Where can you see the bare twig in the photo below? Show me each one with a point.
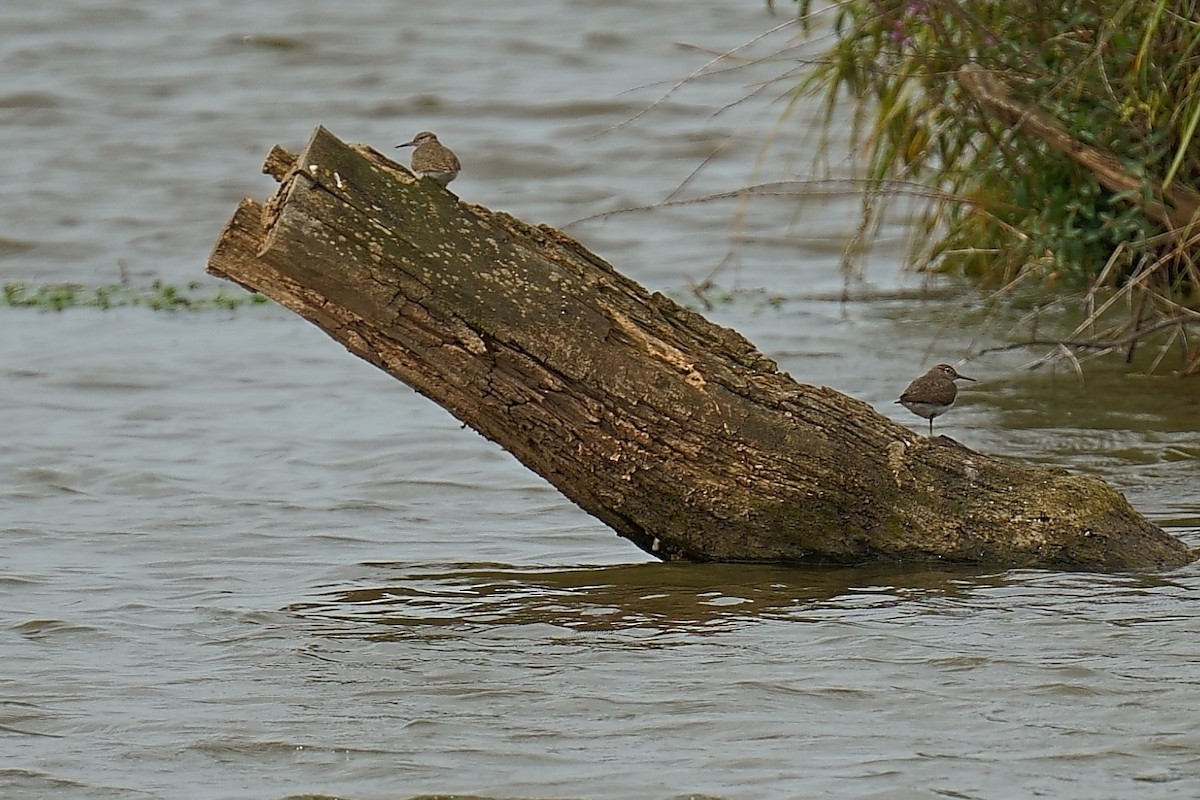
(828, 187)
(1177, 322)
(697, 73)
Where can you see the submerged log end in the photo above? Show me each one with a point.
(1105, 532)
(958, 505)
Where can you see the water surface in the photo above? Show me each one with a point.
(237, 562)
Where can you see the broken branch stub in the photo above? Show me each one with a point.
(675, 432)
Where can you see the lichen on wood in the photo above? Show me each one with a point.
(675, 432)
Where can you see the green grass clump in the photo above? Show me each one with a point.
(157, 296)
(1107, 201)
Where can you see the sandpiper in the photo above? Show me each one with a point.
(933, 393)
(432, 159)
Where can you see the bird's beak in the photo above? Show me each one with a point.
(965, 378)
(406, 144)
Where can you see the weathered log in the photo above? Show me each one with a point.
(675, 432)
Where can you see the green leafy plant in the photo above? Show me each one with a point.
(1056, 144)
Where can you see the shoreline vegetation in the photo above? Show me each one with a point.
(1044, 156)
(1052, 148)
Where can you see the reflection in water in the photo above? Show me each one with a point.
(662, 598)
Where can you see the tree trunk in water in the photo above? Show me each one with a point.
(675, 432)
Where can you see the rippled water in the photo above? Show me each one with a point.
(237, 562)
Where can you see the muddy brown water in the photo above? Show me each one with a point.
(238, 563)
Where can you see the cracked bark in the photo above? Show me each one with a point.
(675, 432)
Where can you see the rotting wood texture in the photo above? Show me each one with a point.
(675, 432)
